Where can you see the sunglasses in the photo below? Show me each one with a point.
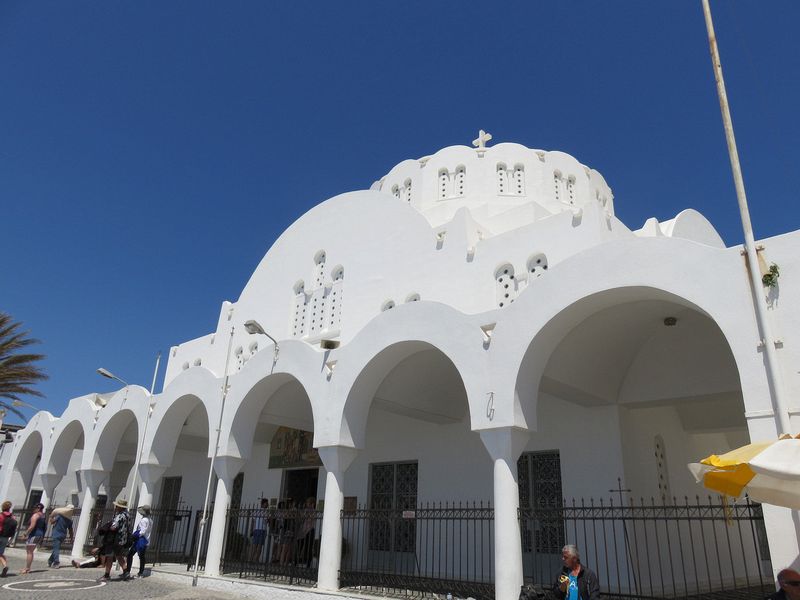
(793, 583)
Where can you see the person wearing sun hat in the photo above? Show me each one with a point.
(141, 539)
(61, 520)
(119, 526)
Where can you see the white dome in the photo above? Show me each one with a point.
(503, 186)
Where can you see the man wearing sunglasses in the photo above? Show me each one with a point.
(789, 580)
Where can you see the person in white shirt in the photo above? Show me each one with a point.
(141, 539)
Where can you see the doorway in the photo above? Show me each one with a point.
(299, 484)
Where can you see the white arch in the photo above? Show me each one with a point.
(382, 344)
(128, 405)
(252, 388)
(191, 388)
(705, 279)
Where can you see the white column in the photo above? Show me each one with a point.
(505, 446)
(91, 478)
(336, 460)
(226, 468)
(149, 476)
(49, 483)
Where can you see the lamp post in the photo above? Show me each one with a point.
(150, 404)
(4, 407)
(252, 327)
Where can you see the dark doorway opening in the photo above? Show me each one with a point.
(299, 484)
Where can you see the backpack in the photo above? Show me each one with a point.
(9, 527)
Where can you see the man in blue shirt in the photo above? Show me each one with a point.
(575, 582)
(61, 520)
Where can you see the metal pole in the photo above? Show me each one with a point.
(213, 459)
(759, 299)
(150, 403)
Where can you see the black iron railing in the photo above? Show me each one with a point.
(196, 528)
(170, 537)
(276, 544)
(698, 550)
(429, 549)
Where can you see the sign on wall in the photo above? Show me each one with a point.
(293, 448)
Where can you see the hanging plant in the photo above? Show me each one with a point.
(770, 278)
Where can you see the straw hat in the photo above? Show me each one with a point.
(66, 511)
(121, 504)
(144, 510)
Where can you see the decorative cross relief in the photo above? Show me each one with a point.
(480, 143)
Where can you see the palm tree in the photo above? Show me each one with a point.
(18, 371)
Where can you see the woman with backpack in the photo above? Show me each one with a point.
(35, 531)
(8, 527)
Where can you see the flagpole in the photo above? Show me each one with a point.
(759, 299)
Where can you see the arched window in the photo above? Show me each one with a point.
(461, 176)
(519, 180)
(571, 189)
(662, 472)
(557, 185)
(444, 184)
(502, 179)
(407, 190)
(505, 285)
(537, 265)
(388, 305)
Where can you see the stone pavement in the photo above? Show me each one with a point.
(170, 582)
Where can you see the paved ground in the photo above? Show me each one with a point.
(68, 583)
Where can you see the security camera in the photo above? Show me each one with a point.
(328, 344)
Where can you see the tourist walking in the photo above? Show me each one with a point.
(8, 529)
(119, 527)
(141, 539)
(574, 581)
(35, 532)
(61, 520)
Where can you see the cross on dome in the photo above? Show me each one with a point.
(483, 137)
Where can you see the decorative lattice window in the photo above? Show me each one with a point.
(444, 184)
(502, 179)
(519, 180)
(537, 265)
(407, 190)
(540, 491)
(461, 177)
(662, 472)
(393, 489)
(505, 285)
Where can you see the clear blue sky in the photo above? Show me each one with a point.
(152, 151)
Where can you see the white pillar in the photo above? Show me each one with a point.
(149, 476)
(91, 478)
(336, 460)
(505, 446)
(49, 483)
(226, 468)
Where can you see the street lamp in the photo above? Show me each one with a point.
(150, 404)
(108, 374)
(4, 407)
(252, 327)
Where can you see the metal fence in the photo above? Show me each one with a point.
(276, 544)
(698, 550)
(169, 538)
(431, 549)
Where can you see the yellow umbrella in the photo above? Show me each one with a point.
(766, 471)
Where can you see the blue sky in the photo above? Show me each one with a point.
(152, 151)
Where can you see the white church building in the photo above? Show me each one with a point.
(459, 365)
